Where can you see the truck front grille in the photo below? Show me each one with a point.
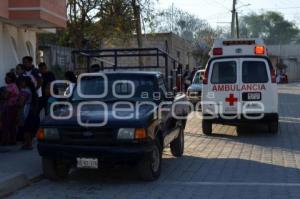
(87, 136)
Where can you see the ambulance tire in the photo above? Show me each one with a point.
(207, 127)
(273, 127)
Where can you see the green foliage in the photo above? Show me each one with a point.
(271, 26)
(91, 21)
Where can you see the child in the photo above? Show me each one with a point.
(10, 110)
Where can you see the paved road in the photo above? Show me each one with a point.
(253, 164)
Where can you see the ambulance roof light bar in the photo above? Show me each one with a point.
(238, 42)
(217, 51)
(259, 50)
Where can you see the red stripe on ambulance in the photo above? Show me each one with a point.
(236, 87)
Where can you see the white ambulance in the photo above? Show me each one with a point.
(239, 85)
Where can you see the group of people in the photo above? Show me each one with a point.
(21, 101)
(184, 78)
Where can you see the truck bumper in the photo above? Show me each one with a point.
(113, 154)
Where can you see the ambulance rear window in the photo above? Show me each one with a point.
(224, 72)
(255, 72)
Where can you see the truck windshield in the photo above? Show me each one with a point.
(119, 87)
(197, 78)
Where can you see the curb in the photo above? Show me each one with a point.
(13, 183)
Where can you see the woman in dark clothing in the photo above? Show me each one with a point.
(10, 111)
(30, 115)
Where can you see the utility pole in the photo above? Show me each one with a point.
(237, 25)
(233, 19)
(172, 18)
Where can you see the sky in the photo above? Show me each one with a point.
(218, 12)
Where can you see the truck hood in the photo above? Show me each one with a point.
(123, 116)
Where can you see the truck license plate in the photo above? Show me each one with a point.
(87, 163)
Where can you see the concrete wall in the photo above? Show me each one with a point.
(54, 55)
(290, 54)
(15, 43)
(177, 47)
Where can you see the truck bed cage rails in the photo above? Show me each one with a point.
(109, 59)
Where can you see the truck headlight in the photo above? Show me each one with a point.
(193, 93)
(131, 133)
(51, 134)
(126, 133)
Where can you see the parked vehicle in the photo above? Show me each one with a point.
(239, 85)
(126, 125)
(194, 91)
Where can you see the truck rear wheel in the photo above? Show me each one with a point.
(150, 167)
(207, 127)
(177, 145)
(54, 169)
(273, 127)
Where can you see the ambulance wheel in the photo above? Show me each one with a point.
(207, 127)
(273, 127)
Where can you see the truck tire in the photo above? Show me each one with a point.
(206, 127)
(177, 145)
(273, 127)
(149, 167)
(54, 170)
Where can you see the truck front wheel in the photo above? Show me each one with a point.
(150, 166)
(54, 169)
(177, 145)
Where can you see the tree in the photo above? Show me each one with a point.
(179, 22)
(204, 39)
(82, 15)
(91, 21)
(271, 26)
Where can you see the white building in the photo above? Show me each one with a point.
(20, 21)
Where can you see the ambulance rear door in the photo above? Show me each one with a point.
(222, 86)
(258, 91)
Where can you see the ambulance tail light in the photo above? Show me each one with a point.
(259, 50)
(218, 51)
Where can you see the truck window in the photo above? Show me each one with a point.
(254, 72)
(197, 78)
(224, 72)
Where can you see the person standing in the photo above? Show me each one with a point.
(29, 116)
(71, 77)
(186, 77)
(19, 70)
(9, 134)
(36, 80)
(33, 73)
(48, 77)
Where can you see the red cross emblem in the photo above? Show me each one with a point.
(231, 99)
